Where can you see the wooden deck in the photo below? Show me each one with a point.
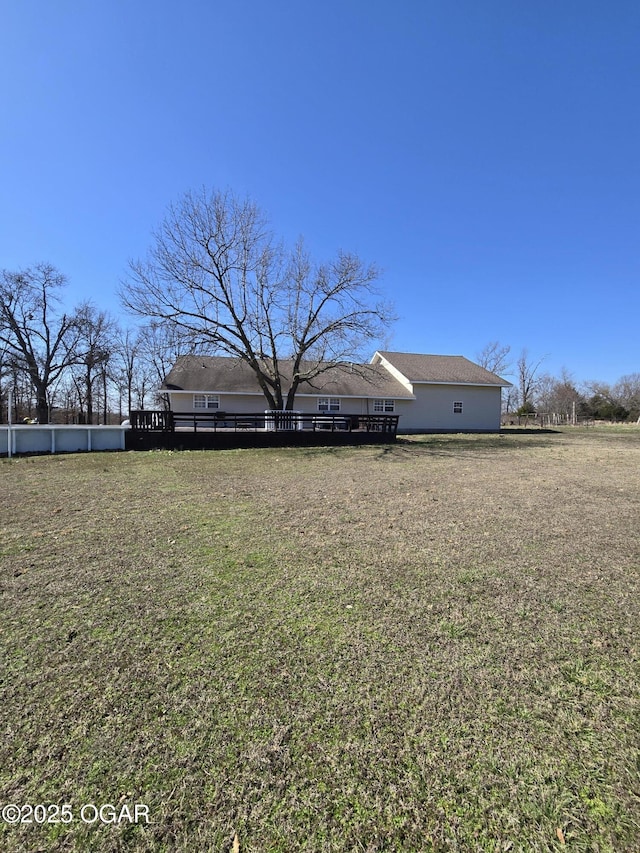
(152, 429)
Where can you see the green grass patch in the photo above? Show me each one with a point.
(426, 646)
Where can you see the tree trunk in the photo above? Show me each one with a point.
(274, 402)
(105, 407)
(42, 406)
(89, 397)
(291, 396)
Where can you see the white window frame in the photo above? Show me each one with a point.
(384, 406)
(457, 407)
(328, 404)
(206, 401)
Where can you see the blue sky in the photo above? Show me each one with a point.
(484, 153)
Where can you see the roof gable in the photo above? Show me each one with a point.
(440, 369)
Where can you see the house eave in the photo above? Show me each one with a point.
(298, 394)
(457, 382)
(379, 396)
(212, 391)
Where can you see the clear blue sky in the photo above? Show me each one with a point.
(484, 153)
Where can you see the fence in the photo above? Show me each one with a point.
(213, 429)
(59, 438)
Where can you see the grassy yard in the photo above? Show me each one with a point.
(430, 646)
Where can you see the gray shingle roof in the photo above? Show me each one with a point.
(455, 369)
(222, 374)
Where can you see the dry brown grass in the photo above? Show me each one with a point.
(426, 646)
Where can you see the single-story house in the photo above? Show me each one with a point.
(430, 393)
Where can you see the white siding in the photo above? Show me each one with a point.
(256, 403)
(433, 408)
(233, 403)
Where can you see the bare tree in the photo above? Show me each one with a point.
(560, 398)
(617, 402)
(528, 381)
(95, 348)
(216, 275)
(495, 357)
(160, 346)
(4, 383)
(127, 363)
(626, 392)
(40, 340)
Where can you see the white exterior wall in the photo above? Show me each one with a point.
(348, 405)
(182, 402)
(433, 408)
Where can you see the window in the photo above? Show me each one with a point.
(457, 407)
(384, 406)
(206, 401)
(328, 404)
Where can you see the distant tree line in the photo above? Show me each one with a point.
(82, 366)
(78, 366)
(216, 280)
(559, 399)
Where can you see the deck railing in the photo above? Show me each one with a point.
(281, 421)
(148, 420)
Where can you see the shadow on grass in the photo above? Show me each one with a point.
(528, 431)
(444, 444)
(455, 445)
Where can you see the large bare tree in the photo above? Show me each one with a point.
(40, 340)
(216, 275)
